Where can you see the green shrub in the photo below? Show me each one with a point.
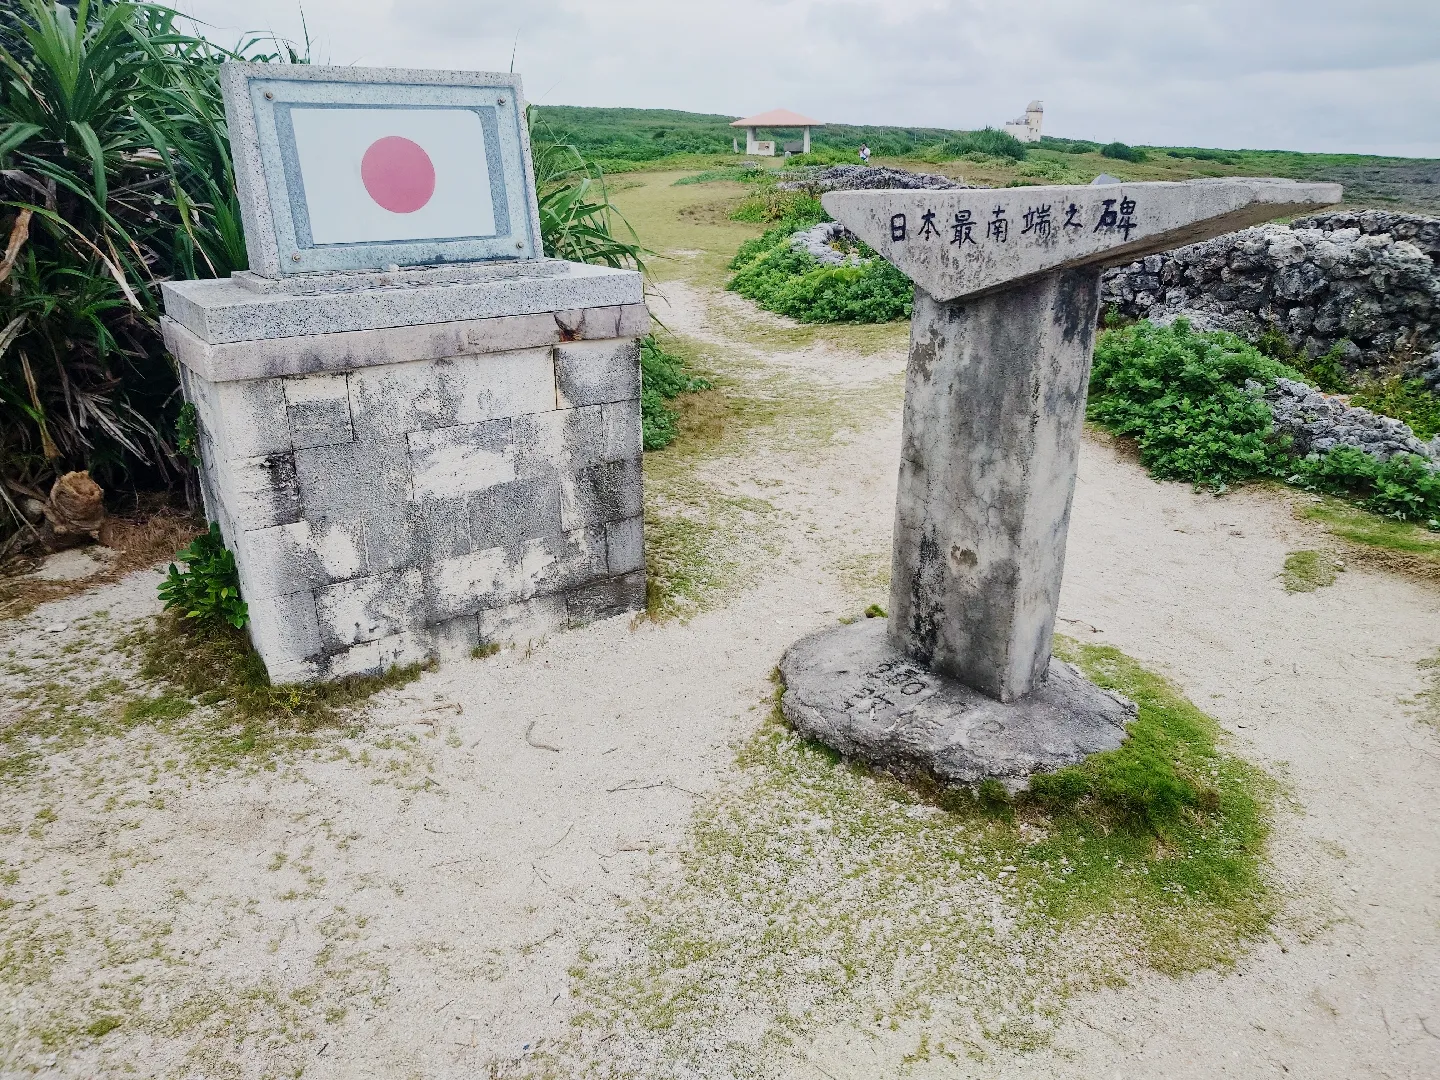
(823, 157)
(1068, 146)
(1223, 157)
(209, 589)
(1120, 152)
(115, 175)
(789, 282)
(1406, 488)
(1325, 373)
(796, 209)
(663, 377)
(1181, 396)
(991, 141)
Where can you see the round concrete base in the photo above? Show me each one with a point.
(850, 689)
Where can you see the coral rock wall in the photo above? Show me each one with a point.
(1365, 281)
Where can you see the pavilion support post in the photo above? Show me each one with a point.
(806, 149)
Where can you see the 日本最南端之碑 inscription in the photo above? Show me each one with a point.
(1006, 302)
(954, 243)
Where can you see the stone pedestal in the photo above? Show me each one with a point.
(852, 689)
(422, 461)
(963, 685)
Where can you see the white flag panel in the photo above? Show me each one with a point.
(332, 143)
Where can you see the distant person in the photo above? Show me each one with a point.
(864, 154)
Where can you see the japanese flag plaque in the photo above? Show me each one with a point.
(959, 683)
(345, 169)
(418, 434)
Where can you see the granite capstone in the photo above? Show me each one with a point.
(221, 311)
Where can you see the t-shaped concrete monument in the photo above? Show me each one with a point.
(959, 681)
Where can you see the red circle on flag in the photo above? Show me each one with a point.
(398, 174)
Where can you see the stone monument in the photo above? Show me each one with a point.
(418, 434)
(959, 682)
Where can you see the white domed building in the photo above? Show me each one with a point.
(1027, 127)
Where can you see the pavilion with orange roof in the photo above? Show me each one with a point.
(775, 118)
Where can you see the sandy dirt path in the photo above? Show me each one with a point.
(408, 901)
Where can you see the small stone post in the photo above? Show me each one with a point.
(959, 681)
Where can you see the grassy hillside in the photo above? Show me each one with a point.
(643, 135)
(625, 139)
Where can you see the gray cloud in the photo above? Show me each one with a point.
(1297, 74)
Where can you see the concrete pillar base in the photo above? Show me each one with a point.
(852, 690)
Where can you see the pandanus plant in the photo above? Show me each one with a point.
(115, 174)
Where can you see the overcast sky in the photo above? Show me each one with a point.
(1272, 74)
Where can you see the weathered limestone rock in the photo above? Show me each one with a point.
(822, 178)
(1007, 299)
(1365, 282)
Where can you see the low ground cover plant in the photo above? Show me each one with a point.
(663, 377)
(1188, 401)
(791, 282)
(208, 590)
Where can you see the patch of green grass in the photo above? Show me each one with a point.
(814, 893)
(1407, 400)
(255, 719)
(167, 706)
(1382, 541)
(703, 541)
(1306, 571)
(1429, 699)
(483, 652)
(102, 1026)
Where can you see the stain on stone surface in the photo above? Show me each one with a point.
(963, 557)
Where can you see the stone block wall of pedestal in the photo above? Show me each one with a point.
(396, 493)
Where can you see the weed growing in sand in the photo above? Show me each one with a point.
(209, 589)
(1306, 571)
(814, 892)
(247, 718)
(664, 376)
(1377, 541)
